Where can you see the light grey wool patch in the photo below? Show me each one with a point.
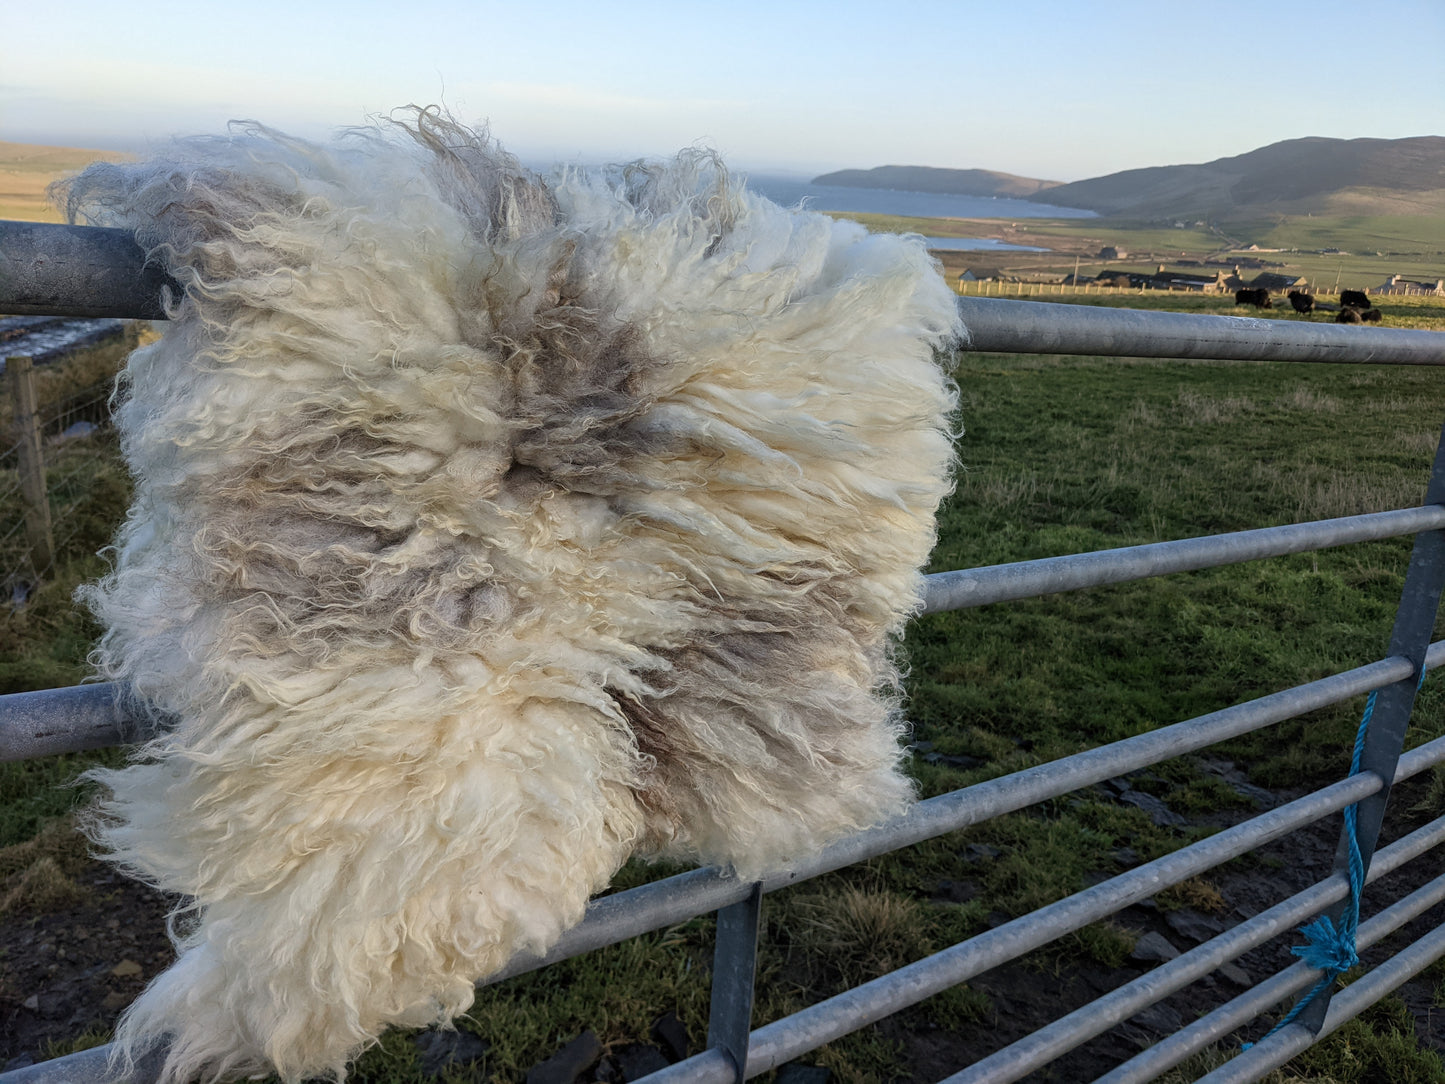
(490, 529)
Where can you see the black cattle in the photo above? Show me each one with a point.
(1355, 299)
(1259, 297)
(1302, 302)
(1371, 316)
(1348, 315)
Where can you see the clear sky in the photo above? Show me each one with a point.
(1058, 89)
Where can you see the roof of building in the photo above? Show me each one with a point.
(1271, 281)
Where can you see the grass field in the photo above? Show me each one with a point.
(1374, 247)
(26, 171)
(1413, 311)
(1058, 455)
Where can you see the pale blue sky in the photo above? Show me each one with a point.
(1044, 88)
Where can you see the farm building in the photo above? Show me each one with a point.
(1193, 281)
(1132, 279)
(1278, 284)
(1112, 278)
(984, 274)
(1397, 284)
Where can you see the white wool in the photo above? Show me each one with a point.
(489, 530)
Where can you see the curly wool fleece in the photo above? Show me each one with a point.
(489, 530)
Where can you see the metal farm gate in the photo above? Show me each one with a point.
(78, 271)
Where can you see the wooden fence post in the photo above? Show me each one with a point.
(26, 426)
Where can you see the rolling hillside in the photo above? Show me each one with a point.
(958, 182)
(1297, 176)
(26, 169)
(1311, 176)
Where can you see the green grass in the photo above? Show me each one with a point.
(1059, 455)
(1418, 312)
(1094, 232)
(1119, 453)
(45, 641)
(1377, 1047)
(1356, 233)
(1374, 247)
(1130, 236)
(932, 227)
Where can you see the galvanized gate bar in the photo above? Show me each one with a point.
(1423, 756)
(1049, 575)
(788, 1038)
(53, 270)
(634, 912)
(68, 720)
(1037, 327)
(1054, 1040)
(1260, 998)
(84, 717)
(972, 805)
(1274, 1051)
(677, 899)
(803, 1031)
(87, 1067)
(85, 271)
(1385, 736)
(682, 905)
(734, 962)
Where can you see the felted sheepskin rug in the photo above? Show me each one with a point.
(487, 531)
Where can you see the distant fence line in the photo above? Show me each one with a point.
(1403, 291)
(39, 491)
(997, 288)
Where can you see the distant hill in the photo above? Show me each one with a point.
(26, 169)
(1295, 177)
(959, 182)
(1298, 176)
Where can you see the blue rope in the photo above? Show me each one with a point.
(1332, 948)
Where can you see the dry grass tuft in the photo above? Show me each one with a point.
(861, 932)
(1309, 400)
(1197, 893)
(1432, 802)
(43, 887)
(37, 876)
(1420, 443)
(1212, 409)
(1003, 489)
(1352, 495)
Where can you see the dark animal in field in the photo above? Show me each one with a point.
(1371, 316)
(1355, 299)
(1302, 302)
(1259, 297)
(1348, 315)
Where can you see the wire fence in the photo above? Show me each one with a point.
(73, 433)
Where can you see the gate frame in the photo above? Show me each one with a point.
(83, 271)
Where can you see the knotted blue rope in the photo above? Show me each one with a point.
(1330, 948)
